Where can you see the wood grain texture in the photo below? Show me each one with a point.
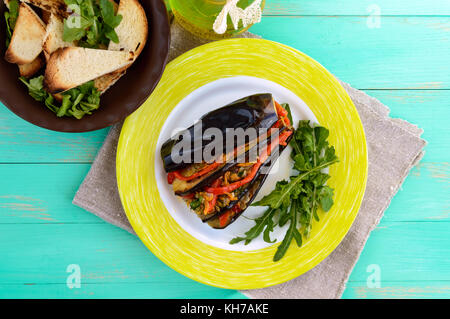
(412, 50)
(47, 194)
(22, 142)
(353, 7)
(404, 63)
(137, 290)
(399, 290)
(356, 7)
(404, 251)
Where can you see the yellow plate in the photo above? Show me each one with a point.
(137, 150)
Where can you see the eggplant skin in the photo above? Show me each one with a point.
(255, 111)
(257, 181)
(201, 182)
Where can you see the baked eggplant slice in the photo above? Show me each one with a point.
(185, 186)
(220, 190)
(244, 194)
(256, 111)
(228, 216)
(234, 188)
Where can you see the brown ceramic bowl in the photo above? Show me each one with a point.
(117, 103)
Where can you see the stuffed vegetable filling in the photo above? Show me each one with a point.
(218, 190)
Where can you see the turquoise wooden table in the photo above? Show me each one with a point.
(401, 57)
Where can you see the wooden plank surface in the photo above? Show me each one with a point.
(399, 290)
(404, 63)
(412, 49)
(403, 251)
(356, 7)
(137, 290)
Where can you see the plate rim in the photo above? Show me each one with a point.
(348, 225)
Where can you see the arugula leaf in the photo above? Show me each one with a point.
(64, 107)
(50, 103)
(284, 191)
(71, 33)
(298, 200)
(263, 222)
(93, 23)
(11, 19)
(107, 10)
(326, 198)
(283, 214)
(292, 233)
(76, 102)
(35, 88)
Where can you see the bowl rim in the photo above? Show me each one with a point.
(158, 43)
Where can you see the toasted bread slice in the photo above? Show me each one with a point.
(104, 82)
(116, 6)
(28, 34)
(133, 30)
(57, 7)
(30, 69)
(53, 39)
(46, 16)
(73, 66)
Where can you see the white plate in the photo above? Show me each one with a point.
(205, 99)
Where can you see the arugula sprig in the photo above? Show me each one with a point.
(10, 18)
(92, 24)
(298, 200)
(76, 102)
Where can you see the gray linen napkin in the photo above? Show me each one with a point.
(394, 147)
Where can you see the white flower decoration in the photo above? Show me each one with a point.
(250, 15)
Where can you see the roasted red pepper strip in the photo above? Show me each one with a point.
(225, 217)
(263, 157)
(204, 171)
(170, 177)
(282, 113)
(280, 110)
(189, 196)
(210, 206)
(284, 136)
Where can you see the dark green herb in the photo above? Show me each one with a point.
(92, 23)
(195, 204)
(298, 200)
(76, 102)
(265, 222)
(36, 87)
(10, 19)
(292, 233)
(111, 21)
